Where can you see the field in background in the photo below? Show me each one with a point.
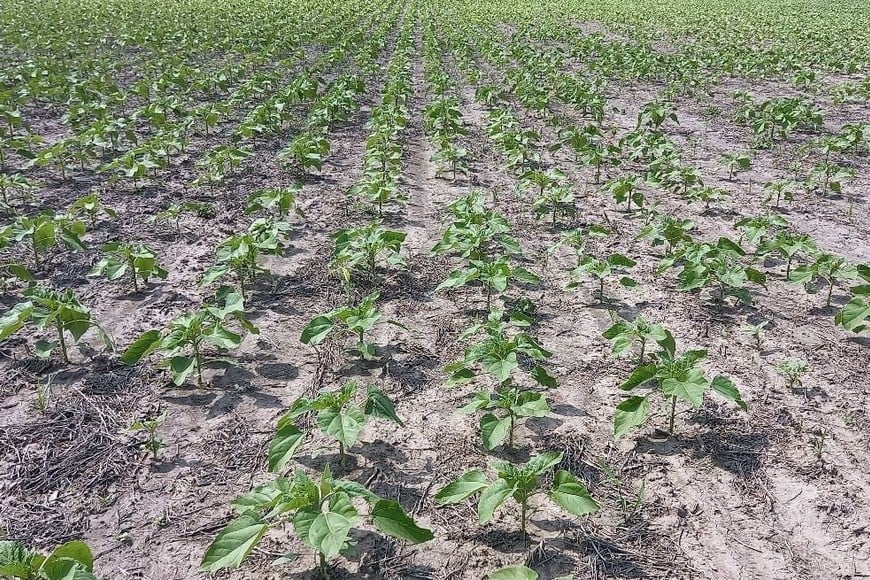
(628, 241)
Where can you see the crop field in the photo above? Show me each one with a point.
(434, 289)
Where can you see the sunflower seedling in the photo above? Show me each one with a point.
(153, 444)
(625, 334)
(337, 414)
(351, 319)
(47, 308)
(676, 378)
(137, 260)
(520, 482)
(67, 561)
(321, 512)
(183, 341)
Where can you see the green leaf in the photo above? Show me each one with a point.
(141, 347)
(854, 314)
(328, 533)
(725, 387)
(493, 430)
(233, 544)
(640, 376)
(389, 517)
(481, 400)
(14, 319)
(501, 365)
(571, 495)
(343, 426)
(463, 487)
(522, 275)
(70, 561)
(543, 378)
(691, 389)
(541, 463)
(43, 348)
(378, 404)
(514, 573)
(287, 439)
(630, 413)
(316, 330)
(492, 497)
(180, 368)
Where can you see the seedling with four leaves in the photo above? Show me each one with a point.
(47, 308)
(675, 378)
(137, 260)
(184, 340)
(337, 414)
(354, 320)
(320, 511)
(520, 482)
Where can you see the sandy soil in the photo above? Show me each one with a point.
(778, 492)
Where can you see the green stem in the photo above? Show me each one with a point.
(673, 412)
(132, 265)
(198, 362)
(62, 339)
(511, 434)
(523, 510)
(324, 570)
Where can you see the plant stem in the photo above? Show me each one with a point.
(62, 339)
(324, 570)
(523, 509)
(132, 264)
(341, 454)
(198, 362)
(511, 433)
(642, 348)
(673, 412)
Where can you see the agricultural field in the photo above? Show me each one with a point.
(434, 289)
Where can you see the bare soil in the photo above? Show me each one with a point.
(779, 492)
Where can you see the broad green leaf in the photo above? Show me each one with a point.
(522, 275)
(378, 404)
(501, 365)
(514, 573)
(141, 347)
(640, 376)
(630, 413)
(530, 404)
(43, 348)
(691, 389)
(389, 517)
(493, 430)
(725, 387)
(223, 337)
(233, 544)
(14, 319)
(316, 330)
(180, 368)
(541, 463)
(481, 400)
(344, 426)
(571, 495)
(463, 487)
(492, 497)
(287, 439)
(328, 533)
(854, 315)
